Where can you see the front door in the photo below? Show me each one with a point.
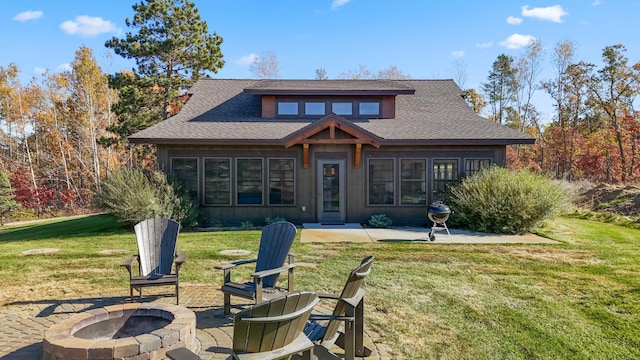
(330, 190)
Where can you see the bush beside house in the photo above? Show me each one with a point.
(500, 200)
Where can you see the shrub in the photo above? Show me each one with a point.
(380, 221)
(246, 225)
(498, 200)
(273, 220)
(133, 195)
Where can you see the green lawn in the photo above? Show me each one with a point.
(576, 300)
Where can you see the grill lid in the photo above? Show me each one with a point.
(439, 207)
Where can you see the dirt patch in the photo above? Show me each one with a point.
(618, 199)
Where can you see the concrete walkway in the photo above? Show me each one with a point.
(24, 323)
(352, 232)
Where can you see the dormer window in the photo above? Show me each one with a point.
(342, 108)
(368, 108)
(288, 108)
(314, 108)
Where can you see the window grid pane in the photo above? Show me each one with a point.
(342, 108)
(368, 108)
(249, 181)
(381, 188)
(186, 171)
(281, 182)
(287, 108)
(445, 174)
(314, 108)
(217, 181)
(473, 166)
(413, 182)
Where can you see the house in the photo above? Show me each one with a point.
(324, 150)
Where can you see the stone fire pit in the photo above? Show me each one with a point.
(128, 331)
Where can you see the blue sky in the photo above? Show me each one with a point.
(423, 38)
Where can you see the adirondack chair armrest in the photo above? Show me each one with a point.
(265, 273)
(128, 263)
(323, 317)
(279, 318)
(179, 260)
(329, 296)
(235, 263)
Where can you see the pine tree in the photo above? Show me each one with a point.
(172, 49)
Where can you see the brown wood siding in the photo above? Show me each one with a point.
(268, 106)
(388, 107)
(357, 209)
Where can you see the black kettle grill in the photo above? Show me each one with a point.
(439, 213)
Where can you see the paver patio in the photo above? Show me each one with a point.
(24, 323)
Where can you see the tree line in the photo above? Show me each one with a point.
(595, 131)
(63, 133)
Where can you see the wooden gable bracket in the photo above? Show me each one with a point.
(304, 137)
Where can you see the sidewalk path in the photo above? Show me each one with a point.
(357, 234)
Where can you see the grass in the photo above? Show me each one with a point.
(576, 300)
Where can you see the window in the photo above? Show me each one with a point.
(249, 181)
(342, 108)
(381, 188)
(281, 182)
(186, 171)
(413, 182)
(473, 166)
(368, 108)
(217, 181)
(287, 108)
(445, 173)
(314, 108)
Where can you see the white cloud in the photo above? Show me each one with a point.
(337, 3)
(63, 67)
(39, 71)
(550, 13)
(247, 59)
(517, 41)
(597, 2)
(484, 45)
(88, 26)
(512, 20)
(28, 15)
(458, 53)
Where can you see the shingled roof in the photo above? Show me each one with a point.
(428, 112)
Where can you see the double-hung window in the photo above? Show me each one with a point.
(445, 174)
(281, 181)
(381, 184)
(473, 166)
(186, 170)
(413, 182)
(217, 181)
(249, 183)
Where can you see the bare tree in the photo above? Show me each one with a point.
(321, 74)
(459, 72)
(363, 73)
(265, 66)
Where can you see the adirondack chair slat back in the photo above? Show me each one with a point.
(275, 243)
(272, 324)
(350, 289)
(157, 239)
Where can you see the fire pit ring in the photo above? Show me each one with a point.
(127, 331)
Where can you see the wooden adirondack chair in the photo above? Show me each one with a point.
(349, 309)
(157, 239)
(275, 243)
(274, 329)
(270, 330)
